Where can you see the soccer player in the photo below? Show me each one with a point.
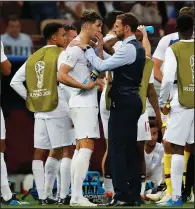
(158, 58)
(83, 105)
(52, 129)
(153, 153)
(8, 197)
(63, 180)
(179, 66)
(71, 33)
(146, 91)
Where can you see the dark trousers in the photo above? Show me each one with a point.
(122, 148)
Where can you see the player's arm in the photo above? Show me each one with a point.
(5, 64)
(124, 55)
(67, 62)
(17, 82)
(170, 68)
(153, 99)
(145, 42)
(6, 68)
(159, 57)
(108, 45)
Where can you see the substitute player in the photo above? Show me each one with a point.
(83, 105)
(8, 197)
(153, 153)
(52, 129)
(179, 66)
(158, 58)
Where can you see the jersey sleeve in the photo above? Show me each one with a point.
(70, 56)
(3, 56)
(163, 44)
(151, 77)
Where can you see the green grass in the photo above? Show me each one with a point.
(35, 205)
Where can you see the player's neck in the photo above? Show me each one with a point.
(185, 36)
(127, 35)
(84, 37)
(49, 42)
(148, 148)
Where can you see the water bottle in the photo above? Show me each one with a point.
(149, 29)
(93, 76)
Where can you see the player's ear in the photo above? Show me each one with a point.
(53, 37)
(86, 26)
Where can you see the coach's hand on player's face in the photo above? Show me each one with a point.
(100, 41)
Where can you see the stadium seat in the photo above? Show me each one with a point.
(170, 28)
(29, 26)
(45, 22)
(3, 26)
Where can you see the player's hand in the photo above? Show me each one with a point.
(100, 82)
(166, 109)
(90, 84)
(142, 29)
(100, 41)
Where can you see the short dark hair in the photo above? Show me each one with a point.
(90, 16)
(130, 20)
(50, 29)
(153, 124)
(69, 27)
(185, 23)
(187, 10)
(110, 18)
(12, 18)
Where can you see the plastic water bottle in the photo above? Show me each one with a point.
(93, 76)
(149, 29)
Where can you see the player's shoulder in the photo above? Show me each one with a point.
(170, 37)
(159, 147)
(2, 45)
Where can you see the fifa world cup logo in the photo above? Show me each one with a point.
(39, 69)
(192, 67)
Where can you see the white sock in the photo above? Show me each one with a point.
(177, 169)
(58, 180)
(65, 177)
(143, 188)
(81, 168)
(39, 175)
(72, 169)
(5, 190)
(51, 169)
(143, 184)
(108, 186)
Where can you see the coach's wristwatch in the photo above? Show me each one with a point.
(86, 48)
